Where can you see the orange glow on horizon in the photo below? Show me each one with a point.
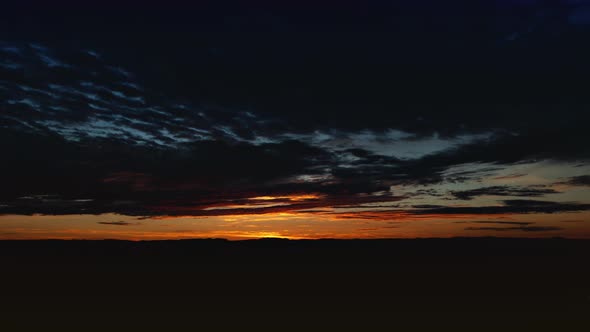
(295, 198)
(293, 225)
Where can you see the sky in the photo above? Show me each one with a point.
(380, 119)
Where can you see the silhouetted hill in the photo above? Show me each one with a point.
(512, 284)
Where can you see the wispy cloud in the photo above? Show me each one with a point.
(118, 223)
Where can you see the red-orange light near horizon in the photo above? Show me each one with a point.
(290, 197)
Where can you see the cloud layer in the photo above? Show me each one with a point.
(444, 111)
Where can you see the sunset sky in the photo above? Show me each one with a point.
(382, 120)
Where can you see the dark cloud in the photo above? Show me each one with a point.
(501, 222)
(100, 175)
(509, 177)
(547, 143)
(582, 180)
(502, 191)
(429, 192)
(428, 211)
(510, 206)
(427, 206)
(104, 175)
(118, 223)
(520, 228)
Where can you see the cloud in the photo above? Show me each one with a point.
(507, 149)
(118, 223)
(510, 207)
(519, 223)
(509, 177)
(203, 176)
(520, 228)
(142, 180)
(582, 180)
(503, 191)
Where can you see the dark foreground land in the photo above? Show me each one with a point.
(480, 284)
